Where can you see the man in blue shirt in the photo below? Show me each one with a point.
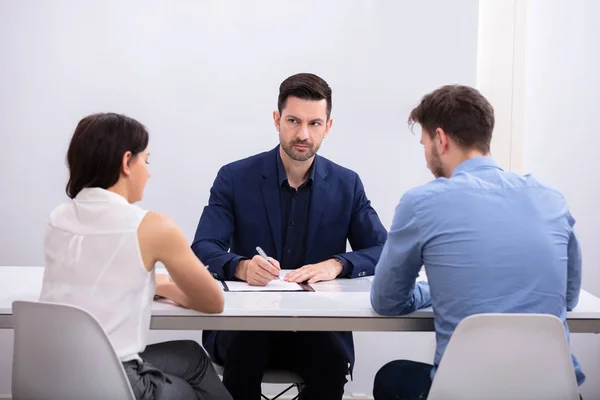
(491, 241)
(301, 209)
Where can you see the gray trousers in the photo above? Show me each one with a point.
(175, 370)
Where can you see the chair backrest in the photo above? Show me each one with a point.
(506, 356)
(62, 352)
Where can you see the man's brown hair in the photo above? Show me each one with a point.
(304, 86)
(461, 112)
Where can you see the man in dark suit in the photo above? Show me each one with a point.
(301, 209)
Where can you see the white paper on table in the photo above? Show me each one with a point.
(273, 286)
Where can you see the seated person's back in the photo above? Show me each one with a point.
(495, 242)
(100, 251)
(491, 241)
(93, 261)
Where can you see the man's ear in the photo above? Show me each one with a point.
(328, 126)
(125, 170)
(442, 140)
(276, 119)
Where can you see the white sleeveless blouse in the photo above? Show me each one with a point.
(93, 261)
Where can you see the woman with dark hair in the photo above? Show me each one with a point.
(100, 251)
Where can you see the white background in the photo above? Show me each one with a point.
(560, 134)
(539, 65)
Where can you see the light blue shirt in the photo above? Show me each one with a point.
(491, 242)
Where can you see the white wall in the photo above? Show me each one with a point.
(500, 72)
(562, 100)
(203, 76)
(561, 105)
(538, 63)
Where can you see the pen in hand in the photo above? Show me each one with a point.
(264, 255)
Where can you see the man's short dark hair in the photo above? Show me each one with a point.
(460, 111)
(304, 86)
(97, 148)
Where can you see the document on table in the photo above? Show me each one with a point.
(273, 286)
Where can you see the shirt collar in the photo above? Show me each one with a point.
(475, 163)
(96, 194)
(282, 176)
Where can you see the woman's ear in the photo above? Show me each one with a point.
(125, 170)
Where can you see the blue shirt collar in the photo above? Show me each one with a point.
(282, 176)
(475, 163)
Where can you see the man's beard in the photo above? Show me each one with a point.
(310, 151)
(435, 164)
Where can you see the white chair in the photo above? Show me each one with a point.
(276, 377)
(62, 352)
(506, 356)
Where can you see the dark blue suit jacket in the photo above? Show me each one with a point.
(244, 212)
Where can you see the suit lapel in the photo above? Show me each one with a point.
(318, 201)
(270, 192)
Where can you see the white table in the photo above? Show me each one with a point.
(340, 305)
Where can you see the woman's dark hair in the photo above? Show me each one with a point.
(97, 148)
